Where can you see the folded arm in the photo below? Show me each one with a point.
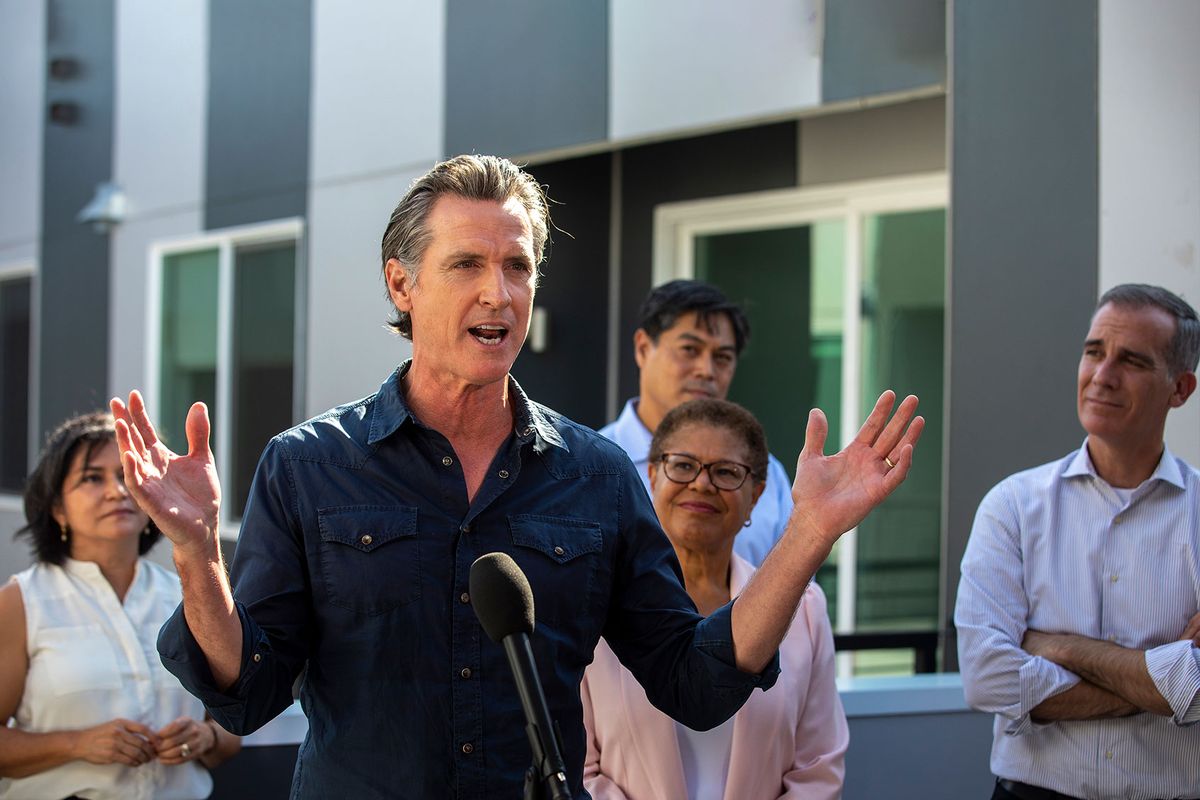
(991, 615)
(1120, 675)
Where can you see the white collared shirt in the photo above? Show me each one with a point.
(92, 659)
(770, 514)
(1057, 549)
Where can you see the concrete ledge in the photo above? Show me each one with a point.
(937, 693)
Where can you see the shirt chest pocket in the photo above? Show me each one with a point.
(559, 555)
(370, 557)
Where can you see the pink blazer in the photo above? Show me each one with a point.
(789, 742)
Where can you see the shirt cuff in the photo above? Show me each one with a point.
(183, 658)
(1175, 670)
(1039, 678)
(714, 640)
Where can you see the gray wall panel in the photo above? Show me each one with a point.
(1024, 233)
(258, 111)
(75, 260)
(879, 46)
(931, 756)
(525, 75)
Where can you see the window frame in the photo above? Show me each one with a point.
(226, 241)
(676, 226)
(11, 501)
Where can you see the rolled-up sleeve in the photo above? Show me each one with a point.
(1175, 670)
(991, 616)
(272, 598)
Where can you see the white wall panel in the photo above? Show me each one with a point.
(22, 86)
(1150, 160)
(679, 64)
(161, 74)
(377, 123)
(377, 86)
(350, 351)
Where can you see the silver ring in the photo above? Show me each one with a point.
(888, 461)
(185, 751)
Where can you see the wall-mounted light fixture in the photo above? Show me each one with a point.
(64, 113)
(106, 209)
(539, 330)
(63, 68)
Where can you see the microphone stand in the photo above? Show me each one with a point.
(546, 779)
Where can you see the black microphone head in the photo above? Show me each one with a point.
(501, 596)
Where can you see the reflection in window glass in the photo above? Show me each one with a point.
(188, 366)
(263, 341)
(251, 363)
(903, 309)
(790, 282)
(14, 382)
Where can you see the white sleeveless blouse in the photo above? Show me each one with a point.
(92, 659)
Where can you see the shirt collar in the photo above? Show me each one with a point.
(391, 411)
(1167, 469)
(630, 432)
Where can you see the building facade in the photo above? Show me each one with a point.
(920, 194)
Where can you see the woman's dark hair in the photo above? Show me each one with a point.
(719, 414)
(43, 490)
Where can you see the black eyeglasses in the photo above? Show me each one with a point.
(727, 475)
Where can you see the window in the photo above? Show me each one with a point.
(227, 334)
(845, 289)
(16, 302)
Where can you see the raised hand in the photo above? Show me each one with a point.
(836, 492)
(180, 493)
(118, 741)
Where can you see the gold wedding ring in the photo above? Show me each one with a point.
(888, 461)
(184, 750)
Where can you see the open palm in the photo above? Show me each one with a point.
(836, 492)
(180, 493)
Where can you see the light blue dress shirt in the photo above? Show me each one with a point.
(1056, 549)
(770, 513)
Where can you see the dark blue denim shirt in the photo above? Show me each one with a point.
(354, 556)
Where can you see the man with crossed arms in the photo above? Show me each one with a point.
(1077, 608)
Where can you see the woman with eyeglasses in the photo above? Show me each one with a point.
(708, 463)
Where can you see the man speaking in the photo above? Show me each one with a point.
(362, 524)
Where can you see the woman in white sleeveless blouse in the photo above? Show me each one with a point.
(90, 710)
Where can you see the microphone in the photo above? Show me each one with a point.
(503, 602)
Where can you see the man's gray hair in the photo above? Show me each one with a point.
(472, 177)
(1183, 351)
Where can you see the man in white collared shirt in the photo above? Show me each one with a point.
(1078, 606)
(686, 347)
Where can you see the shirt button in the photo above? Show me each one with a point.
(1114, 579)
(468, 748)
(447, 461)
(465, 529)
(1108, 754)
(464, 598)
(366, 539)
(1112, 637)
(466, 672)
(558, 551)
(257, 657)
(503, 473)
